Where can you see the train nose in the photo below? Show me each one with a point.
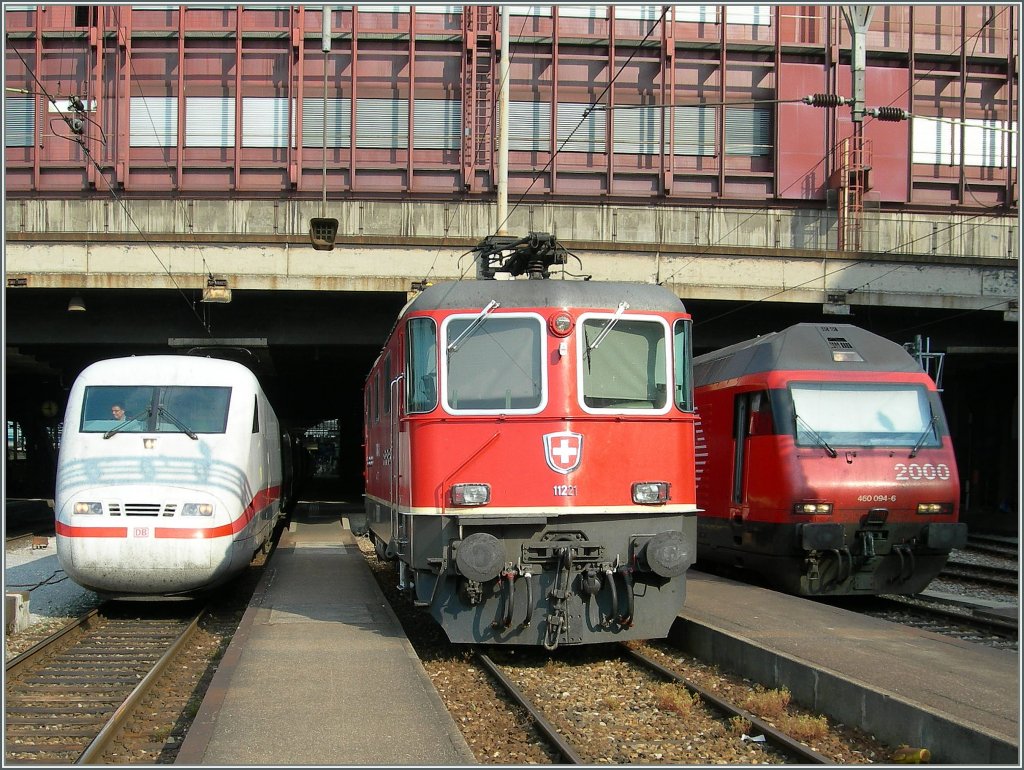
(666, 554)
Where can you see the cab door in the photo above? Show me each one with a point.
(753, 417)
(738, 507)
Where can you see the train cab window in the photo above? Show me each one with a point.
(865, 414)
(124, 407)
(623, 364)
(201, 409)
(494, 363)
(682, 358)
(420, 366)
(169, 409)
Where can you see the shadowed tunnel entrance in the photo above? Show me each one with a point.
(312, 350)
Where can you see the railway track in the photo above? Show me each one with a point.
(67, 696)
(988, 574)
(996, 545)
(954, 616)
(571, 742)
(586, 691)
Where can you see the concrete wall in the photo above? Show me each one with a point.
(966, 236)
(708, 253)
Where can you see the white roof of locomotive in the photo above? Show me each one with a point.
(165, 370)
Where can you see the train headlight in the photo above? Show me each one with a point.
(650, 492)
(94, 509)
(560, 324)
(819, 509)
(197, 509)
(470, 494)
(935, 508)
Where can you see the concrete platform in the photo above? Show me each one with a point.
(320, 671)
(905, 686)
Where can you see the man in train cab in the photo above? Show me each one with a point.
(118, 411)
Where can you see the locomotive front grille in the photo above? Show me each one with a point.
(142, 509)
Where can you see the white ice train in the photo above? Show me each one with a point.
(169, 476)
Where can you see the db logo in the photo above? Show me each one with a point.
(141, 532)
(563, 451)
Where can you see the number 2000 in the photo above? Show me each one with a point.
(927, 471)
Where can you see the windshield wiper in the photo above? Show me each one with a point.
(454, 344)
(924, 435)
(817, 436)
(623, 306)
(178, 423)
(117, 428)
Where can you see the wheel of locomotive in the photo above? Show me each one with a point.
(379, 548)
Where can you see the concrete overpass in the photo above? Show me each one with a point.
(963, 262)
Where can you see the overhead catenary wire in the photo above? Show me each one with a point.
(586, 114)
(451, 219)
(114, 195)
(798, 178)
(840, 270)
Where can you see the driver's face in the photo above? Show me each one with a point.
(118, 412)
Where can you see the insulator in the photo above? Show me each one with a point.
(76, 104)
(825, 100)
(891, 114)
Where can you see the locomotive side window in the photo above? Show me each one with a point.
(864, 414)
(761, 423)
(683, 360)
(421, 365)
(387, 384)
(375, 395)
(494, 363)
(624, 365)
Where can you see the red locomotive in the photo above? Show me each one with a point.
(824, 463)
(529, 453)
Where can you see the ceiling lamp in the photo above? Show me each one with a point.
(216, 290)
(76, 305)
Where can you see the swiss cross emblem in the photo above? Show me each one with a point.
(563, 450)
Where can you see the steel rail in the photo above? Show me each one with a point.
(771, 734)
(981, 573)
(42, 648)
(970, 617)
(1005, 550)
(551, 733)
(94, 751)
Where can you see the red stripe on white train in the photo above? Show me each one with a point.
(262, 499)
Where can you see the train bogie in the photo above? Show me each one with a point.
(825, 465)
(170, 475)
(529, 459)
